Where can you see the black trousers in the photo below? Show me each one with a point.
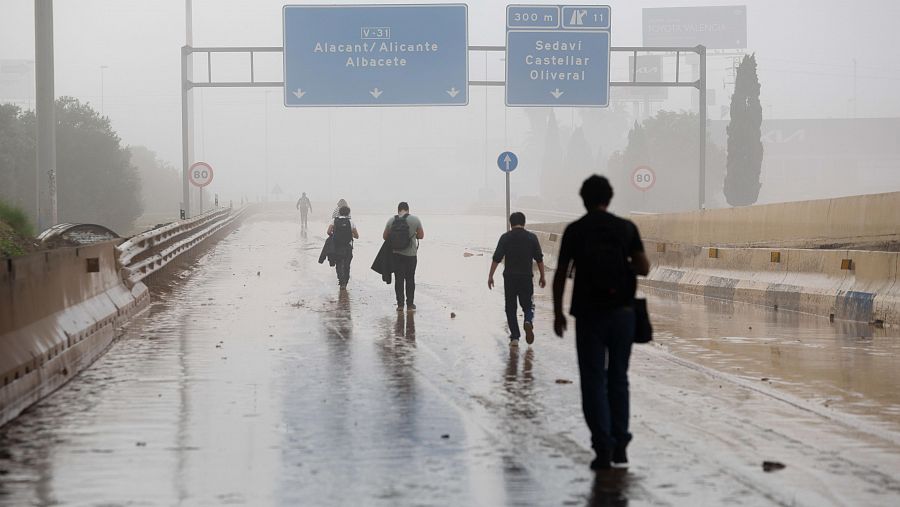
(518, 288)
(405, 278)
(342, 259)
(603, 340)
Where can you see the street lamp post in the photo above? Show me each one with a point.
(266, 147)
(45, 100)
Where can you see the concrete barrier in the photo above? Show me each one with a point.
(842, 284)
(59, 311)
(716, 253)
(866, 221)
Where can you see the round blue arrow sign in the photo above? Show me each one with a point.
(507, 161)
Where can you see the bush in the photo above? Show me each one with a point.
(16, 219)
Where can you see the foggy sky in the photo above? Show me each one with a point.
(805, 48)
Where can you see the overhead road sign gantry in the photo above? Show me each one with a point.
(719, 27)
(557, 55)
(376, 55)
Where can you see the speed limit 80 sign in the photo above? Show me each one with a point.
(643, 178)
(200, 174)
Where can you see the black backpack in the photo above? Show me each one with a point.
(343, 232)
(399, 236)
(605, 265)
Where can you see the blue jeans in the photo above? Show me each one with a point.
(604, 389)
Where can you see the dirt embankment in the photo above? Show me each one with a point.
(13, 244)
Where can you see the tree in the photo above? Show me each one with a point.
(745, 149)
(95, 178)
(160, 181)
(578, 165)
(667, 143)
(17, 163)
(604, 128)
(636, 152)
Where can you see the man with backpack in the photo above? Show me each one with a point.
(403, 232)
(343, 232)
(606, 253)
(517, 248)
(305, 208)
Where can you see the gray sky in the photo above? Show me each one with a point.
(806, 50)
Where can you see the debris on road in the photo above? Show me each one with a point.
(563, 381)
(773, 466)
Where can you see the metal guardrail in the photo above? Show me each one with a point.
(148, 252)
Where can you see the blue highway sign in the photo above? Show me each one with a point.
(577, 17)
(557, 55)
(376, 55)
(507, 161)
(532, 16)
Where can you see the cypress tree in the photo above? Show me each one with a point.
(745, 150)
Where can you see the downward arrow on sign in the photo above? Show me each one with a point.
(299, 93)
(453, 92)
(556, 93)
(376, 93)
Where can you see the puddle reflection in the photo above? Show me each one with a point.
(611, 488)
(853, 366)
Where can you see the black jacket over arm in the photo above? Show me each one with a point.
(327, 251)
(383, 262)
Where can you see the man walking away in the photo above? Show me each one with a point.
(606, 253)
(403, 231)
(305, 208)
(343, 232)
(519, 248)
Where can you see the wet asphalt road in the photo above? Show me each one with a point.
(253, 381)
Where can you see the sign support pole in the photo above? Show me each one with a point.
(185, 132)
(187, 107)
(507, 201)
(702, 195)
(507, 162)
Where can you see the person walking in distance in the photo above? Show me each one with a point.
(403, 232)
(337, 209)
(517, 249)
(343, 231)
(606, 253)
(305, 208)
